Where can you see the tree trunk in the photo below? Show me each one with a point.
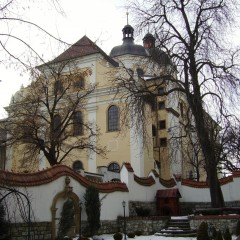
(216, 195)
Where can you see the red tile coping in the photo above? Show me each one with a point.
(53, 173)
(232, 216)
(204, 184)
(128, 166)
(168, 183)
(144, 181)
(236, 173)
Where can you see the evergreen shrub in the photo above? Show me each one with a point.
(227, 235)
(118, 236)
(202, 232)
(4, 227)
(66, 220)
(131, 235)
(219, 235)
(138, 232)
(142, 212)
(238, 228)
(93, 208)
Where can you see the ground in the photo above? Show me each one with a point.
(152, 237)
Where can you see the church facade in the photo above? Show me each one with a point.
(105, 107)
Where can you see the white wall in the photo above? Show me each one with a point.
(41, 197)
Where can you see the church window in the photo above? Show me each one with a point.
(113, 118)
(163, 142)
(57, 121)
(80, 83)
(58, 87)
(140, 72)
(114, 167)
(181, 108)
(162, 124)
(77, 165)
(161, 105)
(154, 131)
(77, 123)
(161, 91)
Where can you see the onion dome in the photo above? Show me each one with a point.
(149, 41)
(128, 46)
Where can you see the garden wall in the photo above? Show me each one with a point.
(220, 222)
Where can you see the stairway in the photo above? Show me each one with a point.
(177, 227)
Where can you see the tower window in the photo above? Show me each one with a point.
(161, 105)
(80, 83)
(162, 124)
(113, 118)
(154, 131)
(140, 72)
(161, 91)
(181, 108)
(163, 142)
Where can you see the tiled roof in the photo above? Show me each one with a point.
(167, 183)
(129, 167)
(194, 184)
(236, 173)
(204, 184)
(82, 48)
(168, 193)
(144, 181)
(51, 174)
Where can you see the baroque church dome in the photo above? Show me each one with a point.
(128, 46)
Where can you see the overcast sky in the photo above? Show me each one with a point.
(101, 20)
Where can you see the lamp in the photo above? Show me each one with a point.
(124, 218)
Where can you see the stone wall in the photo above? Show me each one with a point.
(219, 222)
(187, 208)
(147, 225)
(149, 205)
(38, 231)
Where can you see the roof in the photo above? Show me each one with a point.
(128, 47)
(168, 193)
(81, 48)
(49, 175)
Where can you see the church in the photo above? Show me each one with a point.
(120, 136)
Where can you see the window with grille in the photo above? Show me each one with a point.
(113, 118)
(114, 167)
(77, 124)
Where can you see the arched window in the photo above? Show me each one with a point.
(80, 83)
(77, 124)
(77, 165)
(154, 131)
(57, 125)
(58, 87)
(114, 167)
(113, 118)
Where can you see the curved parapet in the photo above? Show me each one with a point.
(53, 173)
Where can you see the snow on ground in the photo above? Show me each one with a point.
(151, 237)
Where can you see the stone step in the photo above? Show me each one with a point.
(177, 227)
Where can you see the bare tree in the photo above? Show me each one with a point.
(48, 115)
(18, 30)
(204, 69)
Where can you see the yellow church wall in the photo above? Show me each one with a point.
(117, 142)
